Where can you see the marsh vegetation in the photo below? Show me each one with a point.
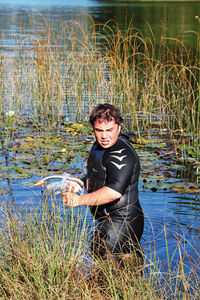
(47, 89)
(45, 255)
(155, 83)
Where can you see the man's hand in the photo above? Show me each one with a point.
(72, 186)
(70, 199)
(100, 197)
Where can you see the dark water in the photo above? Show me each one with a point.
(180, 212)
(175, 19)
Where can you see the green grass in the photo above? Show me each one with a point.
(39, 257)
(44, 255)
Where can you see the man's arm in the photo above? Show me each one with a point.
(102, 196)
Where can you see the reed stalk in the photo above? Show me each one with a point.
(45, 254)
(198, 102)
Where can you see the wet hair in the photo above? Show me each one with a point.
(107, 112)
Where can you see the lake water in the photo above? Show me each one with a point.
(180, 212)
(174, 19)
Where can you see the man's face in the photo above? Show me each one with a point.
(106, 132)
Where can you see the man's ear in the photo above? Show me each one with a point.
(119, 129)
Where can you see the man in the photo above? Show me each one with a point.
(112, 184)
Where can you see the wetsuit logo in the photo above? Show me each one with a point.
(117, 165)
(118, 155)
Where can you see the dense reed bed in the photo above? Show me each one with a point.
(45, 255)
(67, 69)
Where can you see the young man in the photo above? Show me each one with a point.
(112, 184)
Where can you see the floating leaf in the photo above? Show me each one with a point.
(77, 126)
(16, 176)
(156, 145)
(29, 138)
(157, 185)
(25, 156)
(63, 150)
(186, 188)
(5, 168)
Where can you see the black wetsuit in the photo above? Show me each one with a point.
(121, 222)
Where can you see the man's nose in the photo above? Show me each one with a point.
(103, 135)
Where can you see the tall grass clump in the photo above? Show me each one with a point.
(45, 255)
(42, 253)
(60, 72)
(153, 77)
(69, 63)
(64, 70)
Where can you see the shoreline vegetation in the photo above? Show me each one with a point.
(65, 72)
(54, 76)
(45, 255)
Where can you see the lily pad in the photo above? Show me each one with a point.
(5, 168)
(79, 128)
(24, 158)
(15, 176)
(178, 187)
(154, 186)
(186, 188)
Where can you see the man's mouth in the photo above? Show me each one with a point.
(104, 142)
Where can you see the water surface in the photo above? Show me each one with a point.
(174, 19)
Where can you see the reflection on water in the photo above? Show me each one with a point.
(180, 214)
(46, 3)
(171, 19)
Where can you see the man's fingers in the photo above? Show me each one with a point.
(70, 186)
(70, 199)
(67, 199)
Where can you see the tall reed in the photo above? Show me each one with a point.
(198, 102)
(42, 252)
(45, 255)
(66, 70)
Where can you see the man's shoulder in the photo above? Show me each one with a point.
(124, 141)
(127, 135)
(126, 148)
(122, 147)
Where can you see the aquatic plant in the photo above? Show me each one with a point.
(198, 102)
(71, 68)
(39, 250)
(45, 254)
(62, 71)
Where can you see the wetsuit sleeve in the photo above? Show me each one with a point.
(122, 167)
